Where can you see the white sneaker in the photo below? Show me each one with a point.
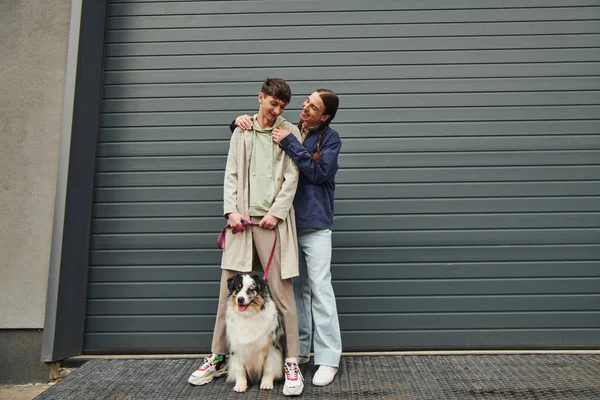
(294, 381)
(209, 370)
(324, 375)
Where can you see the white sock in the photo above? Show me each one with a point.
(291, 359)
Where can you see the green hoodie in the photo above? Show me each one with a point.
(262, 161)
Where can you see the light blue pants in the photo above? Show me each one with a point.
(315, 300)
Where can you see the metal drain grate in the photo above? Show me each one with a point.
(519, 377)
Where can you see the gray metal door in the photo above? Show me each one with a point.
(467, 213)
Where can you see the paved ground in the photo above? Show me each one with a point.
(30, 391)
(22, 392)
(434, 377)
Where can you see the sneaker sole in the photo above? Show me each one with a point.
(205, 379)
(321, 384)
(200, 381)
(317, 383)
(293, 391)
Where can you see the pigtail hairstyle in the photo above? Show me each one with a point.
(331, 103)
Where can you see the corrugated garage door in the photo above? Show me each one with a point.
(468, 212)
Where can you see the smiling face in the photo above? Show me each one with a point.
(313, 111)
(270, 109)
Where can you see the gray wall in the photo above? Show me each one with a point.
(33, 52)
(467, 212)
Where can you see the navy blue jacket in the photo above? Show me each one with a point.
(313, 203)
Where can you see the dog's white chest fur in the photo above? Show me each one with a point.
(244, 328)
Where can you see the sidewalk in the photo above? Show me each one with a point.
(22, 392)
(435, 377)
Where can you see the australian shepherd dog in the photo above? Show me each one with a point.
(254, 333)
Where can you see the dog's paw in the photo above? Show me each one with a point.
(240, 387)
(266, 383)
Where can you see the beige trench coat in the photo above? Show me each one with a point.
(237, 255)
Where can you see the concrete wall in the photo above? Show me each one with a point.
(33, 54)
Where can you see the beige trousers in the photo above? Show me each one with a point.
(282, 291)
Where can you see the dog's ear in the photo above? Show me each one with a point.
(261, 284)
(231, 284)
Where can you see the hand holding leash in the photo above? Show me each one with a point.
(237, 221)
(268, 222)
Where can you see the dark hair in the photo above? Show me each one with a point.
(277, 88)
(331, 103)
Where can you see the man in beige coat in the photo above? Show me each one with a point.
(259, 187)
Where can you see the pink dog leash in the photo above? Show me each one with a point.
(221, 242)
